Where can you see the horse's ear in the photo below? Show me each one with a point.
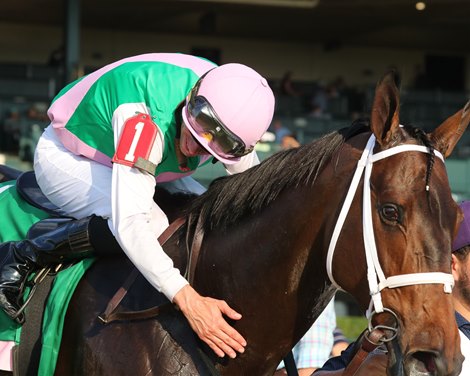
(446, 136)
(385, 109)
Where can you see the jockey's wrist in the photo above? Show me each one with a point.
(184, 296)
(173, 283)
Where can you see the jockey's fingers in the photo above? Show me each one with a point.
(227, 310)
(221, 332)
(231, 338)
(226, 338)
(236, 340)
(223, 345)
(218, 351)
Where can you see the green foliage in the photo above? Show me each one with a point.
(351, 326)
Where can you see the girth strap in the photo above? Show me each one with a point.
(26, 355)
(110, 314)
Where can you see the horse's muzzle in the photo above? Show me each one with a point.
(429, 363)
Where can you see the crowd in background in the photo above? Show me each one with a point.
(21, 128)
(319, 99)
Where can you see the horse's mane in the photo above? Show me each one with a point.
(230, 198)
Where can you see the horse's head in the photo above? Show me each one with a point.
(408, 222)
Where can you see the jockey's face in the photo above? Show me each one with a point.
(189, 145)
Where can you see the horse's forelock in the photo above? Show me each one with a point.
(423, 139)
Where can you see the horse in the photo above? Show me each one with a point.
(367, 209)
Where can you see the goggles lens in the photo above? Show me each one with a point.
(207, 125)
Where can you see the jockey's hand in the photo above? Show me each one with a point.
(205, 315)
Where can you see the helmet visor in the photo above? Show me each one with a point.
(207, 125)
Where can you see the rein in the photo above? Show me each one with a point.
(193, 251)
(369, 341)
(110, 315)
(375, 275)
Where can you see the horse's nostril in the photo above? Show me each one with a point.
(425, 362)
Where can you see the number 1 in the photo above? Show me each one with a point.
(138, 132)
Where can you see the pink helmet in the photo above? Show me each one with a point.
(228, 110)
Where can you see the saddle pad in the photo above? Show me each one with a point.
(62, 290)
(61, 293)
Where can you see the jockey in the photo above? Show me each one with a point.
(114, 134)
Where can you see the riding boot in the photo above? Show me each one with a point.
(68, 243)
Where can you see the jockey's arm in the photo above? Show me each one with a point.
(137, 222)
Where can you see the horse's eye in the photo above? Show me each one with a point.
(390, 213)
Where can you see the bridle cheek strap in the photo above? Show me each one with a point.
(375, 275)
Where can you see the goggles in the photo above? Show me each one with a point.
(211, 129)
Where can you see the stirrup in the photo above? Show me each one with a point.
(19, 316)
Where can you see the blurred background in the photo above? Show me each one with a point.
(321, 57)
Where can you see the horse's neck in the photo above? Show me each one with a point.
(272, 270)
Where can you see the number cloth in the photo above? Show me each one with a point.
(136, 143)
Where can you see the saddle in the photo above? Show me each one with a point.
(28, 188)
(8, 173)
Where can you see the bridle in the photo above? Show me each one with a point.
(375, 275)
